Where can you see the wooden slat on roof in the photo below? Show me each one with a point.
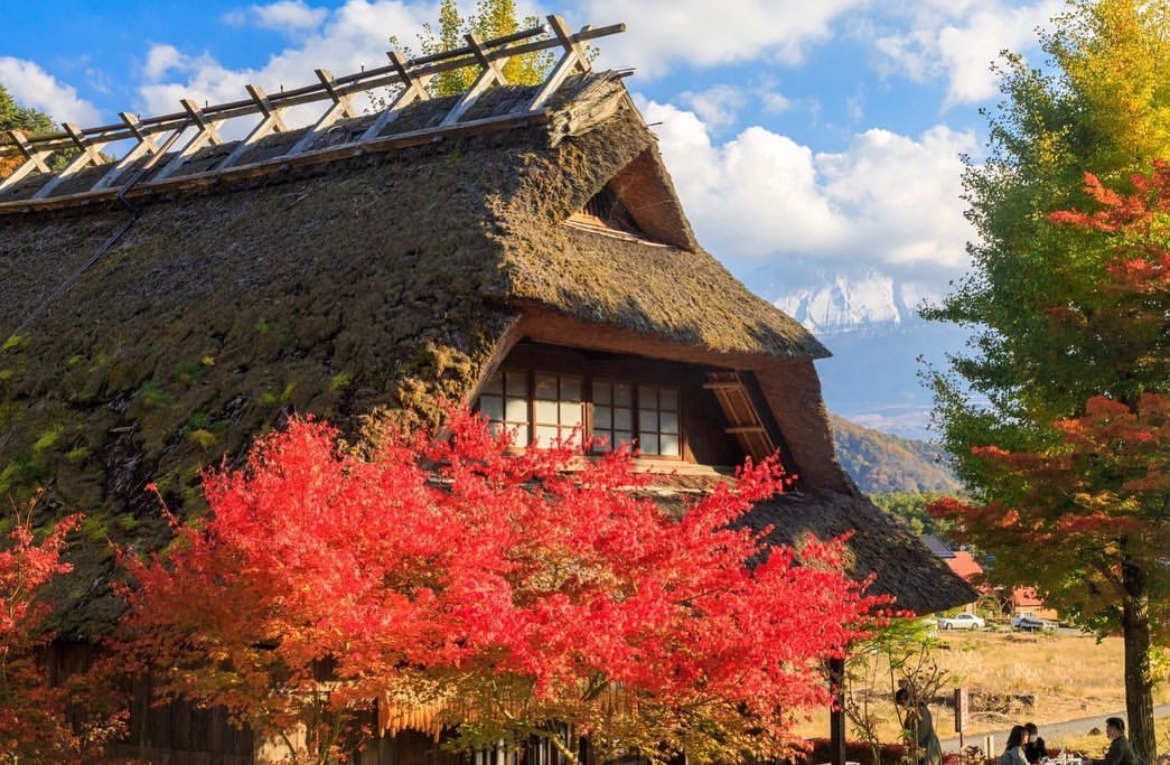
(742, 417)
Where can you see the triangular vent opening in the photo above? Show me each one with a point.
(606, 212)
(639, 204)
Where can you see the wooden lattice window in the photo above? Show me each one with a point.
(558, 408)
(658, 421)
(544, 407)
(613, 414)
(506, 400)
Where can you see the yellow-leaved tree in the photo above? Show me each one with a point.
(491, 19)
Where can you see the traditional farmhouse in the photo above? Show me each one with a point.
(520, 247)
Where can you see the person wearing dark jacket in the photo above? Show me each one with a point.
(1120, 752)
(1034, 750)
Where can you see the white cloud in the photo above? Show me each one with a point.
(665, 33)
(957, 40)
(161, 59)
(349, 38)
(887, 199)
(719, 105)
(32, 86)
(288, 16)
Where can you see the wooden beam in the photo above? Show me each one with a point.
(837, 712)
(492, 74)
(34, 159)
(89, 155)
(739, 430)
(722, 385)
(146, 144)
(207, 131)
(341, 107)
(414, 89)
(271, 123)
(574, 59)
(280, 164)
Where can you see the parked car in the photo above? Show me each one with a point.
(1029, 623)
(963, 621)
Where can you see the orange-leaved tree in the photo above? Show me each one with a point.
(449, 583)
(1085, 514)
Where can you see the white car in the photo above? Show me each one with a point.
(963, 621)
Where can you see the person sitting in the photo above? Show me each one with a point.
(1034, 750)
(919, 721)
(1120, 751)
(1013, 753)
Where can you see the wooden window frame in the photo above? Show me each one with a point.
(588, 413)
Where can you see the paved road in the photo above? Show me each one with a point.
(1049, 731)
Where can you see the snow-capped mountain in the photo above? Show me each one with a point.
(868, 302)
(869, 321)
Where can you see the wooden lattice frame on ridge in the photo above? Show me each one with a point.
(156, 136)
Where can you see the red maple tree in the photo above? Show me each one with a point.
(33, 724)
(453, 582)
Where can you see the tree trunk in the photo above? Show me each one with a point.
(1139, 682)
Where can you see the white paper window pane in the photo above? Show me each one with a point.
(546, 435)
(496, 428)
(546, 412)
(520, 436)
(546, 387)
(602, 393)
(647, 420)
(516, 384)
(492, 406)
(570, 389)
(648, 443)
(669, 445)
(570, 437)
(622, 437)
(647, 397)
(602, 417)
(668, 422)
(668, 399)
(494, 384)
(571, 414)
(623, 395)
(623, 419)
(516, 410)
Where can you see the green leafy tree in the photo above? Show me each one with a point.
(1055, 325)
(910, 506)
(14, 116)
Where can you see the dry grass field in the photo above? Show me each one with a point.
(1014, 678)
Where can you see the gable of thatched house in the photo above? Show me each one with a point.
(534, 260)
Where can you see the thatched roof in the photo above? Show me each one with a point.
(879, 545)
(363, 285)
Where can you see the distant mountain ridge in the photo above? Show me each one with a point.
(882, 463)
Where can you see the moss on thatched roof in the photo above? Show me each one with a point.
(364, 286)
(878, 545)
